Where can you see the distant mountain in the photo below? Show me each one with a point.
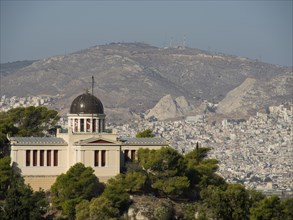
(133, 77)
(6, 68)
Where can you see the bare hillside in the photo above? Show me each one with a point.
(133, 77)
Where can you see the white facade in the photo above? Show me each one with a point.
(41, 159)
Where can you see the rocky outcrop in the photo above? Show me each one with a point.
(182, 105)
(233, 101)
(150, 207)
(167, 108)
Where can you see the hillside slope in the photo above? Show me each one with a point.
(135, 76)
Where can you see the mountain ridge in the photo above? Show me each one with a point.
(135, 76)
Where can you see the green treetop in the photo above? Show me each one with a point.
(17, 200)
(77, 184)
(148, 133)
(29, 121)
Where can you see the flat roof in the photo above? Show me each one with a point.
(37, 141)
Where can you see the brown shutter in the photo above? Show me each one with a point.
(96, 159)
(35, 158)
(55, 158)
(41, 157)
(49, 157)
(103, 158)
(28, 158)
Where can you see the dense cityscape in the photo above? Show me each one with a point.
(7, 103)
(257, 152)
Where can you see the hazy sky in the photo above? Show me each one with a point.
(39, 29)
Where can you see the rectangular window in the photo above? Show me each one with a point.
(55, 158)
(126, 157)
(88, 125)
(103, 158)
(94, 125)
(49, 158)
(35, 158)
(28, 158)
(42, 157)
(96, 159)
(81, 125)
(132, 155)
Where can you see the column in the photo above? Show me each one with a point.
(82, 156)
(15, 155)
(32, 157)
(93, 124)
(78, 125)
(107, 158)
(13, 158)
(89, 125)
(45, 158)
(52, 158)
(38, 158)
(118, 165)
(99, 125)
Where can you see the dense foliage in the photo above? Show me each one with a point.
(29, 121)
(273, 208)
(165, 169)
(231, 203)
(167, 174)
(99, 208)
(113, 201)
(77, 184)
(148, 133)
(18, 201)
(6, 174)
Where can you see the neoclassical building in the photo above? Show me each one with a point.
(42, 159)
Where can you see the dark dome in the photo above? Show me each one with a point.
(86, 104)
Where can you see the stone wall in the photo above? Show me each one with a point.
(37, 182)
